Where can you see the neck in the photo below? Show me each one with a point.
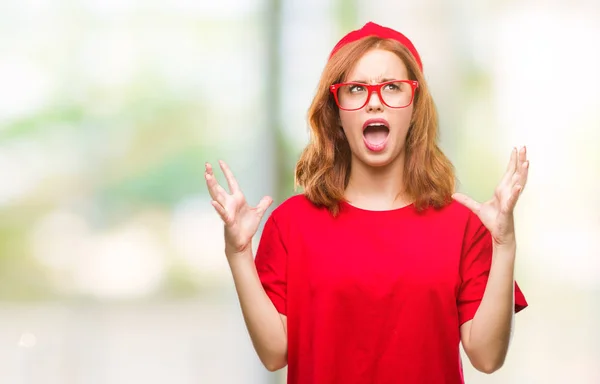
(377, 188)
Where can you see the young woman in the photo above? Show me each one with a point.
(378, 270)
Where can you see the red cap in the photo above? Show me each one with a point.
(372, 29)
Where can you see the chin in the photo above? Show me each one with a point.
(378, 160)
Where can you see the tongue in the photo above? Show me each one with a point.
(376, 135)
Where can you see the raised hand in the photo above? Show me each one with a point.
(241, 221)
(497, 213)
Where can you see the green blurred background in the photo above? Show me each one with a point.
(111, 262)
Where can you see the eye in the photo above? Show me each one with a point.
(356, 88)
(392, 87)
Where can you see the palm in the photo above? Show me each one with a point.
(241, 221)
(497, 213)
(498, 220)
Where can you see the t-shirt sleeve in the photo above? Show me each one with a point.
(271, 264)
(476, 261)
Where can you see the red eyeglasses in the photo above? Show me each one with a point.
(353, 96)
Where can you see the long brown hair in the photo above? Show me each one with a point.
(323, 169)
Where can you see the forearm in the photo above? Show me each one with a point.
(263, 321)
(491, 327)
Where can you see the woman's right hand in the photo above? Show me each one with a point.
(241, 220)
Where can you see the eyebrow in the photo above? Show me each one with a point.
(366, 82)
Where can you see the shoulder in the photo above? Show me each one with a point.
(297, 207)
(291, 216)
(297, 204)
(453, 211)
(456, 216)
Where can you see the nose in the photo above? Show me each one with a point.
(374, 103)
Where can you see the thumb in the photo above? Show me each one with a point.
(467, 202)
(262, 206)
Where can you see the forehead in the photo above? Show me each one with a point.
(378, 64)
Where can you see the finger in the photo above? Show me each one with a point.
(263, 205)
(467, 202)
(214, 189)
(512, 161)
(510, 168)
(231, 182)
(514, 197)
(221, 211)
(522, 155)
(523, 174)
(513, 181)
(208, 168)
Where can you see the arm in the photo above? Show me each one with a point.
(486, 337)
(267, 328)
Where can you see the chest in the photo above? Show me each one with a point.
(372, 261)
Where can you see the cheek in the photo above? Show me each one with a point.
(401, 119)
(350, 121)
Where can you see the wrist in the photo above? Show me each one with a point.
(234, 255)
(236, 249)
(504, 253)
(507, 241)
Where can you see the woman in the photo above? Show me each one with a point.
(378, 270)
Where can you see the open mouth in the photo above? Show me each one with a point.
(376, 133)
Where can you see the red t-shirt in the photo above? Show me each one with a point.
(374, 296)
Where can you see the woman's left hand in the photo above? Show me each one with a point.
(497, 213)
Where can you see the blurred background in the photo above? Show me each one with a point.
(111, 257)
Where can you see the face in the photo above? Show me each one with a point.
(376, 132)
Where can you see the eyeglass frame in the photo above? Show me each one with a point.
(373, 88)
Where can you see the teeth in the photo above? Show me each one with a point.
(377, 125)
